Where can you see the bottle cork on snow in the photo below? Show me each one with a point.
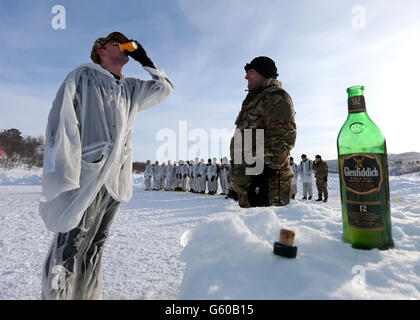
(285, 246)
(287, 237)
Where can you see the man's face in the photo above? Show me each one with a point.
(254, 78)
(113, 53)
(303, 159)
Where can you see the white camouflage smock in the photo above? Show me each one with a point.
(88, 141)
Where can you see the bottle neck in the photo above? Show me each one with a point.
(356, 104)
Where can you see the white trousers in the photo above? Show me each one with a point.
(156, 182)
(148, 182)
(307, 189)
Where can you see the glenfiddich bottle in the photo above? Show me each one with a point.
(364, 185)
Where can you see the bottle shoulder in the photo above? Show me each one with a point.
(360, 134)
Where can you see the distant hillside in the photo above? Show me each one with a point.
(398, 164)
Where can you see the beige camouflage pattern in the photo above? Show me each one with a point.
(321, 175)
(267, 107)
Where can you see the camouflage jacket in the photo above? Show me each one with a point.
(269, 107)
(321, 169)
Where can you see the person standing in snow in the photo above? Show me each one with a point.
(295, 170)
(169, 169)
(194, 176)
(321, 174)
(213, 185)
(198, 176)
(174, 177)
(191, 174)
(269, 107)
(202, 176)
(305, 172)
(223, 173)
(211, 172)
(148, 174)
(157, 172)
(162, 175)
(184, 172)
(179, 175)
(87, 168)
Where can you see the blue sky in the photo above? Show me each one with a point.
(203, 46)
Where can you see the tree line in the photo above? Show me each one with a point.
(28, 151)
(19, 151)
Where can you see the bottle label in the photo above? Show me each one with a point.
(356, 104)
(362, 173)
(365, 215)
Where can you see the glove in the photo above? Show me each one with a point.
(185, 176)
(268, 172)
(140, 55)
(199, 175)
(325, 179)
(212, 179)
(207, 179)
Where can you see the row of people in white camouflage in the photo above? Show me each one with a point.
(194, 176)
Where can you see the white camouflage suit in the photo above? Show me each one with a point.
(169, 170)
(191, 174)
(178, 170)
(202, 172)
(223, 171)
(162, 176)
(148, 174)
(87, 171)
(194, 174)
(156, 176)
(212, 177)
(185, 172)
(305, 173)
(174, 178)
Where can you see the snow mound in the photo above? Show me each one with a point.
(20, 177)
(231, 257)
(138, 181)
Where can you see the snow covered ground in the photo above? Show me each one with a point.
(172, 245)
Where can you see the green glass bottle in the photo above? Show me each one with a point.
(364, 184)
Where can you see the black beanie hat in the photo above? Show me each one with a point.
(264, 66)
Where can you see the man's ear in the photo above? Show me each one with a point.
(100, 52)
